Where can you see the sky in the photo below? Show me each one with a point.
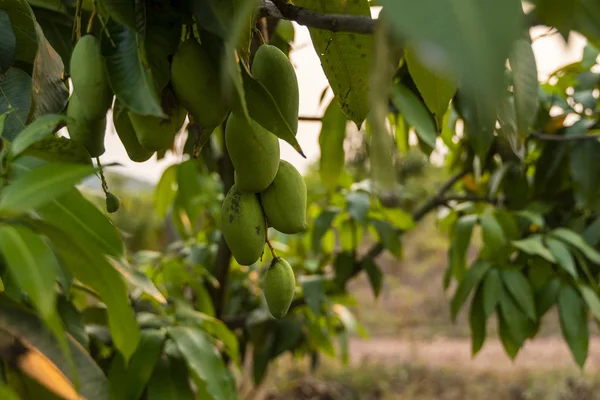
(550, 52)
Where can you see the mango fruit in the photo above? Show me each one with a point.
(243, 225)
(284, 201)
(278, 287)
(273, 69)
(197, 85)
(124, 128)
(90, 78)
(90, 133)
(254, 153)
(156, 133)
(112, 203)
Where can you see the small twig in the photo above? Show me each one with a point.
(102, 178)
(198, 132)
(558, 138)
(310, 119)
(267, 239)
(90, 25)
(76, 34)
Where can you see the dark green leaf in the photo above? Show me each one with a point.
(23, 26)
(358, 205)
(129, 72)
(534, 245)
(313, 288)
(591, 299)
(129, 381)
(345, 57)
(592, 233)
(517, 322)
(585, 171)
(575, 240)
(122, 11)
(170, 381)
(494, 241)
(8, 43)
(573, 323)
(461, 237)
(41, 186)
(343, 266)
(59, 149)
(36, 131)
(15, 96)
(436, 90)
(510, 344)
(331, 143)
(492, 291)
(415, 113)
(526, 86)
(73, 321)
(547, 295)
(389, 237)
(204, 362)
(477, 321)
(57, 30)
(563, 256)
(518, 286)
(138, 279)
(321, 225)
(579, 15)
(374, 273)
(471, 279)
(166, 191)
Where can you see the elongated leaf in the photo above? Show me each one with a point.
(122, 11)
(170, 381)
(138, 279)
(331, 144)
(388, 236)
(592, 300)
(477, 321)
(575, 240)
(436, 90)
(526, 85)
(321, 225)
(471, 279)
(129, 381)
(546, 297)
(374, 273)
(461, 237)
(492, 291)
(563, 256)
(494, 240)
(263, 109)
(32, 265)
(15, 96)
(579, 15)
(166, 190)
(23, 25)
(510, 344)
(57, 30)
(8, 44)
(204, 362)
(345, 57)
(129, 72)
(36, 131)
(534, 245)
(518, 286)
(517, 322)
(25, 326)
(469, 38)
(415, 113)
(313, 289)
(573, 323)
(358, 205)
(41, 186)
(584, 172)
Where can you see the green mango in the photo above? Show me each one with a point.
(278, 287)
(124, 128)
(197, 85)
(284, 201)
(156, 133)
(254, 152)
(273, 69)
(90, 78)
(112, 203)
(243, 225)
(90, 133)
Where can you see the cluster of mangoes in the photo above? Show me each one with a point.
(268, 191)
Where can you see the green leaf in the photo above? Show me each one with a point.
(345, 57)
(563, 256)
(401, 134)
(129, 72)
(477, 321)
(32, 265)
(129, 381)
(518, 286)
(73, 321)
(331, 144)
(15, 96)
(573, 323)
(321, 225)
(494, 241)
(170, 381)
(415, 113)
(8, 44)
(579, 15)
(547, 295)
(575, 240)
(41, 186)
(534, 246)
(138, 279)
(166, 191)
(591, 299)
(399, 218)
(492, 291)
(6, 392)
(358, 205)
(36, 131)
(526, 85)
(313, 288)
(122, 11)
(381, 149)
(592, 233)
(510, 344)
(204, 362)
(468, 39)
(24, 325)
(461, 237)
(49, 92)
(263, 109)
(437, 91)
(518, 323)
(57, 30)
(471, 279)
(23, 25)
(343, 266)
(59, 149)
(388, 236)
(585, 171)
(374, 273)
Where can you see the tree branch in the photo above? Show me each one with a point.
(329, 22)
(310, 119)
(559, 138)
